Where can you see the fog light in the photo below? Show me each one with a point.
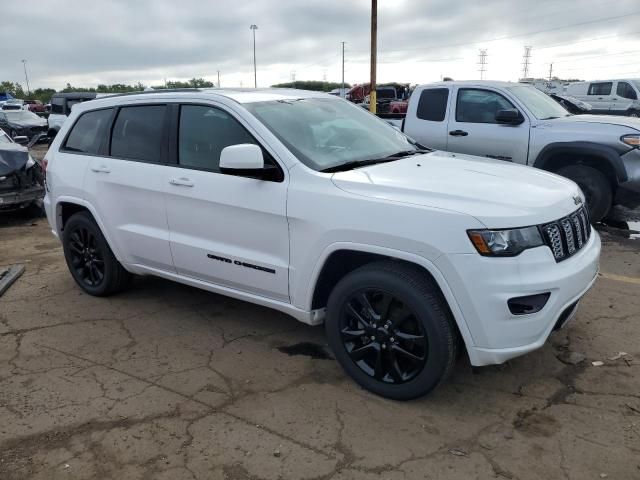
(528, 304)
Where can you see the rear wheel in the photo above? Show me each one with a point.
(390, 329)
(90, 259)
(594, 185)
(634, 113)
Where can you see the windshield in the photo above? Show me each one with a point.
(540, 104)
(327, 132)
(20, 116)
(4, 138)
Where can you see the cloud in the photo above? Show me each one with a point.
(89, 42)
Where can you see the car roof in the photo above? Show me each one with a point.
(475, 83)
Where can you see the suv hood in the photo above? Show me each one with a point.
(629, 122)
(498, 194)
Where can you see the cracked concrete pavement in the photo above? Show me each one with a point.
(166, 381)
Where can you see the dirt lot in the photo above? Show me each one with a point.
(169, 382)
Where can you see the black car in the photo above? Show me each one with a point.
(571, 104)
(21, 177)
(22, 123)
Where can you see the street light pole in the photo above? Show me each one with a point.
(374, 41)
(255, 75)
(342, 92)
(26, 77)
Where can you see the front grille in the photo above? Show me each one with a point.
(568, 235)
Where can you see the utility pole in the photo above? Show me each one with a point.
(293, 78)
(373, 98)
(218, 78)
(550, 71)
(342, 92)
(26, 77)
(526, 58)
(255, 75)
(483, 62)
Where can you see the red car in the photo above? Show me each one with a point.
(34, 106)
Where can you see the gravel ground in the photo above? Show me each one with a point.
(166, 381)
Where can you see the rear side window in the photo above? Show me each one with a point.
(625, 90)
(432, 105)
(480, 106)
(603, 88)
(90, 133)
(203, 133)
(57, 105)
(137, 133)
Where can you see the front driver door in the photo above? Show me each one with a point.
(225, 229)
(473, 128)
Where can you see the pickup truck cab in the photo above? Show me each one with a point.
(306, 203)
(517, 123)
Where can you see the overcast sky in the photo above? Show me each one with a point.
(124, 41)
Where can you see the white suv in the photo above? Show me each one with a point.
(310, 205)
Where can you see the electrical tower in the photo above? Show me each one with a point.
(551, 71)
(482, 62)
(526, 60)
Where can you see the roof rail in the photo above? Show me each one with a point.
(160, 90)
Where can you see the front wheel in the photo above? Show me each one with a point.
(391, 331)
(595, 186)
(90, 259)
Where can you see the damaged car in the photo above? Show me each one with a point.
(21, 177)
(22, 123)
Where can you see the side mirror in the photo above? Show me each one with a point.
(21, 140)
(510, 117)
(244, 156)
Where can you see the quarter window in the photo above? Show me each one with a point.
(432, 105)
(203, 133)
(603, 88)
(625, 90)
(480, 106)
(89, 133)
(137, 133)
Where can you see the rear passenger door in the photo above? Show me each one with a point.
(623, 99)
(473, 128)
(426, 119)
(600, 96)
(125, 185)
(225, 229)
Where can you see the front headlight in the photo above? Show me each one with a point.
(631, 140)
(505, 243)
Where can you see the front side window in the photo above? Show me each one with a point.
(137, 133)
(324, 133)
(432, 105)
(625, 90)
(603, 88)
(203, 133)
(480, 106)
(89, 133)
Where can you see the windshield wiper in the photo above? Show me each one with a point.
(373, 161)
(357, 164)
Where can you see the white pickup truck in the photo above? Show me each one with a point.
(518, 123)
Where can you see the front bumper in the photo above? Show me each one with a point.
(628, 193)
(20, 198)
(483, 285)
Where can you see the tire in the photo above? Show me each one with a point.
(83, 244)
(419, 324)
(634, 113)
(595, 186)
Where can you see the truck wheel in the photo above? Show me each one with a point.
(89, 258)
(391, 331)
(595, 186)
(634, 113)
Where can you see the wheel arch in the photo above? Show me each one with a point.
(604, 158)
(342, 258)
(67, 206)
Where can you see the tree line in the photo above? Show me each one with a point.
(44, 94)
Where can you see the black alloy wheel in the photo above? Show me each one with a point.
(383, 337)
(86, 257)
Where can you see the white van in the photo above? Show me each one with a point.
(614, 97)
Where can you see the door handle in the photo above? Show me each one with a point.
(101, 169)
(181, 182)
(458, 133)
